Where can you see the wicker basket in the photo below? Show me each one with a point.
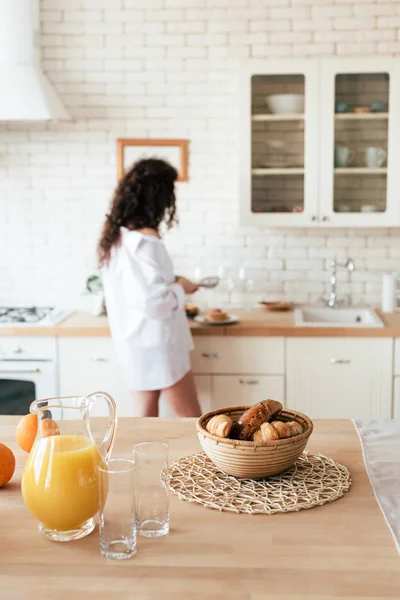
(247, 459)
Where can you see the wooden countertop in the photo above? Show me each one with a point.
(252, 323)
(340, 550)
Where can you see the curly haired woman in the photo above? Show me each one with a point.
(145, 301)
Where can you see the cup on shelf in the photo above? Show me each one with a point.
(341, 106)
(343, 208)
(375, 157)
(285, 103)
(343, 156)
(377, 106)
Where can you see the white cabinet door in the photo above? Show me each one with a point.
(88, 364)
(239, 355)
(348, 178)
(203, 386)
(339, 377)
(279, 153)
(231, 390)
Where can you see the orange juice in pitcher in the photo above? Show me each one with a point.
(60, 482)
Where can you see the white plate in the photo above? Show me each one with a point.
(202, 319)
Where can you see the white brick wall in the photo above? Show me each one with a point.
(167, 68)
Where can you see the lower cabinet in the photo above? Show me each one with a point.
(322, 377)
(340, 378)
(88, 364)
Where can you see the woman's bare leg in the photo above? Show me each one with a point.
(182, 397)
(145, 404)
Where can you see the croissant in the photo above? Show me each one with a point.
(220, 425)
(295, 427)
(266, 433)
(282, 428)
(252, 419)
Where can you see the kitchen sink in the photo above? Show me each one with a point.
(336, 317)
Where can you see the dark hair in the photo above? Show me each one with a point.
(145, 197)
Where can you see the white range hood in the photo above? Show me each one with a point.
(26, 93)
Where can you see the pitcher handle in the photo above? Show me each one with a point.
(107, 444)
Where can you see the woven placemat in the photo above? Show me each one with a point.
(313, 480)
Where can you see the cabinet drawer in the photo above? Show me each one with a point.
(239, 355)
(340, 378)
(25, 348)
(230, 390)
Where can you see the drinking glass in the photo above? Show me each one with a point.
(151, 489)
(117, 509)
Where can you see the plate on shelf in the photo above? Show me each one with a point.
(204, 320)
(281, 306)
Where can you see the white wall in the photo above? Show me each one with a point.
(167, 68)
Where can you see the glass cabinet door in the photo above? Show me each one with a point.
(358, 143)
(279, 156)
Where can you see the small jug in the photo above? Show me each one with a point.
(60, 483)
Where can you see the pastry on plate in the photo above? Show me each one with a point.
(191, 311)
(276, 306)
(216, 314)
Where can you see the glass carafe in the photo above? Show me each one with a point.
(60, 483)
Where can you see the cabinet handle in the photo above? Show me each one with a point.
(21, 371)
(98, 359)
(340, 361)
(17, 350)
(313, 218)
(249, 381)
(325, 219)
(210, 355)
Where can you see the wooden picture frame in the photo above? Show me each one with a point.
(175, 151)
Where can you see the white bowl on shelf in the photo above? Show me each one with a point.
(285, 103)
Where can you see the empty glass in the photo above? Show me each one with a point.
(117, 509)
(151, 489)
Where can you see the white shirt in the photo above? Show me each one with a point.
(146, 313)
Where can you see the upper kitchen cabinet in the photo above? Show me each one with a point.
(359, 142)
(279, 143)
(319, 140)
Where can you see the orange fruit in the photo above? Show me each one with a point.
(27, 429)
(7, 464)
(26, 432)
(49, 427)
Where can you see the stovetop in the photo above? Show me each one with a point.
(28, 316)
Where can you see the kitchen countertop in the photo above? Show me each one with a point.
(257, 322)
(340, 550)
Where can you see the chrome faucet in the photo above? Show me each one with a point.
(333, 301)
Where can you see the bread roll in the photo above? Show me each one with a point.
(266, 433)
(295, 427)
(282, 428)
(252, 419)
(220, 425)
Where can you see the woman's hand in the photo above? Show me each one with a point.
(187, 285)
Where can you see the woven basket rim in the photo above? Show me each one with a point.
(228, 410)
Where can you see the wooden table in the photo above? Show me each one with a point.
(340, 550)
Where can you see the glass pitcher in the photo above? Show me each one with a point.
(60, 483)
